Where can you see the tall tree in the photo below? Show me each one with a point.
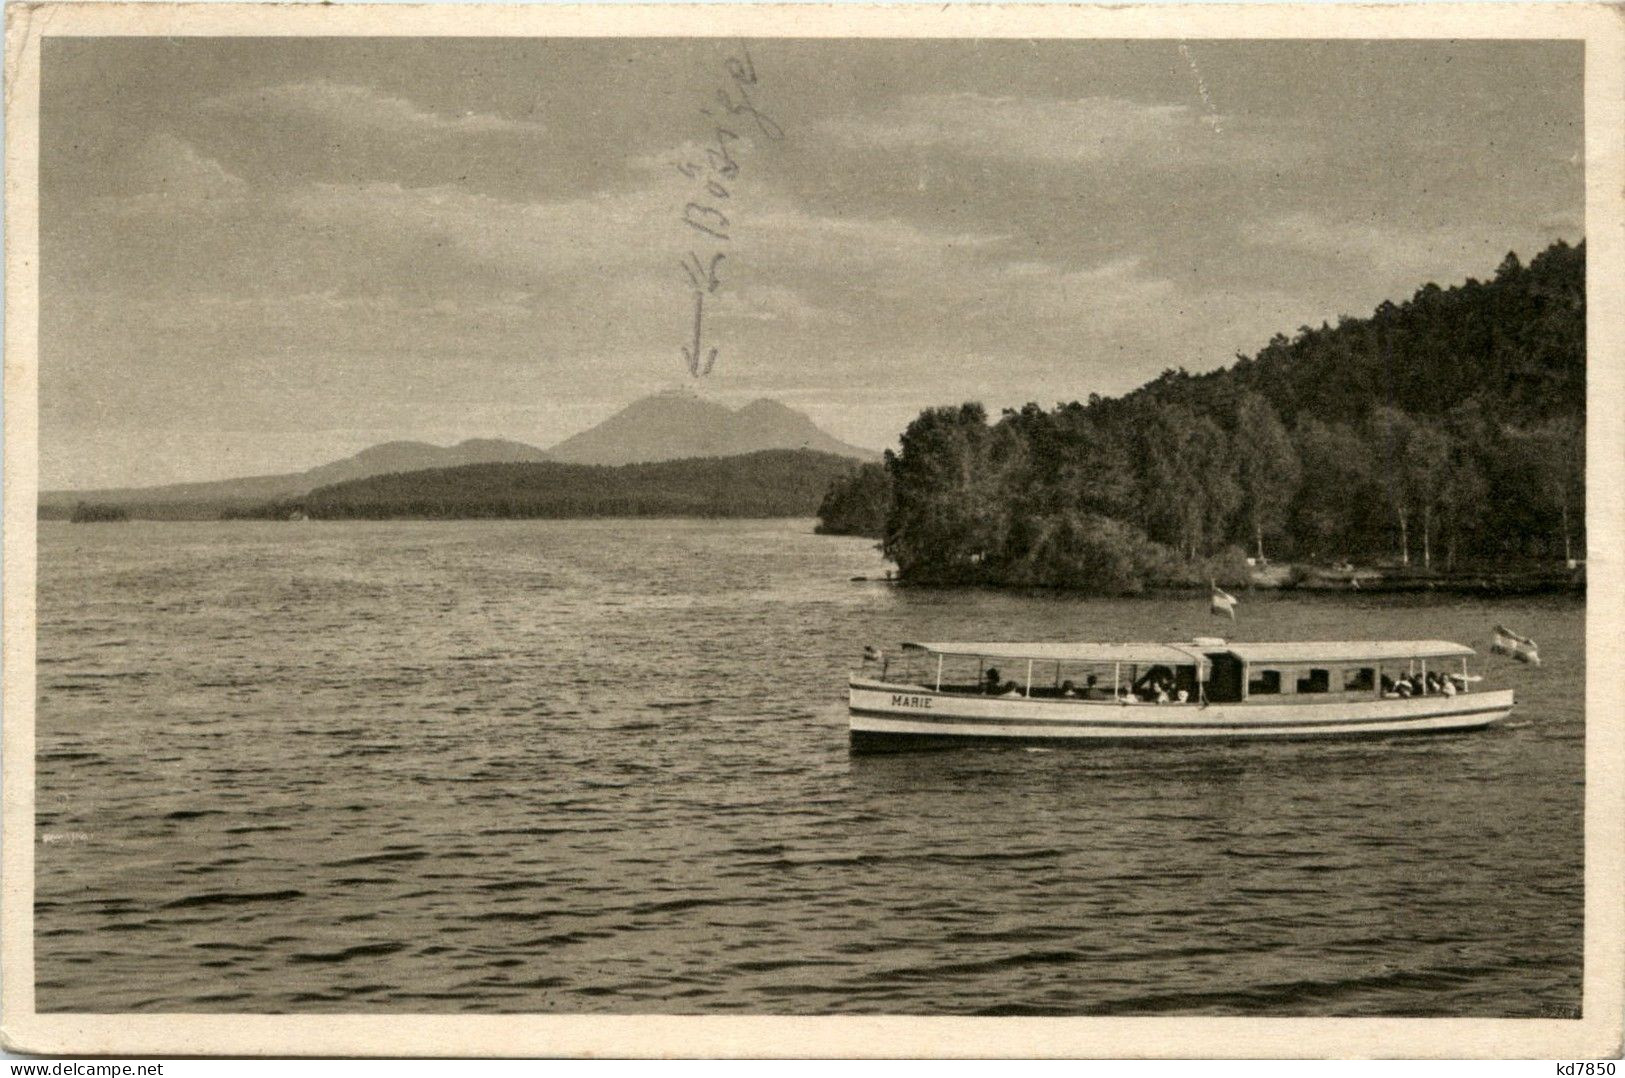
(1465, 503)
(1267, 468)
(1424, 473)
(1554, 452)
(1389, 432)
(1211, 456)
(1336, 491)
(1169, 499)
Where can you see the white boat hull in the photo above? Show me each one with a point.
(886, 716)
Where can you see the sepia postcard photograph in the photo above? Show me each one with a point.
(813, 531)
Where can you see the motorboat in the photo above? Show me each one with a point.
(948, 693)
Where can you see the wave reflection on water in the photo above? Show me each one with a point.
(601, 766)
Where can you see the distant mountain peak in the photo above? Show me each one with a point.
(767, 404)
(401, 446)
(679, 423)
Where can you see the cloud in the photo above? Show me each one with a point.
(167, 165)
(563, 240)
(699, 158)
(593, 241)
(1113, 293)
(866, 280)
(1060, 131)
(858, 237)
(759, 302)
(1406, 254)
(361, 106)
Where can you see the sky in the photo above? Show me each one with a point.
(260, 255)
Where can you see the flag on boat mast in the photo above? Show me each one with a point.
(1507, 642)
(1223, 602)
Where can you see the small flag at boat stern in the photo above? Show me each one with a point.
(1522, 648)
(1223, 602)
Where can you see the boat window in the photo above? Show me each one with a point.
(1359, 679)
(1315, 681)
(1264, 682)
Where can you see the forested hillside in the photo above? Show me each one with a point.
(1444, 429)
(771, 483)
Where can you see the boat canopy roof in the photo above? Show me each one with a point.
(1310, 651)
(1184, 654)
(1168, 654)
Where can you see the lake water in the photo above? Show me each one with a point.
(602, 766)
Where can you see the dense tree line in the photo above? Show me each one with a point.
(772, 483)
(1443, 430)
(857, 504)
(136, 509)
(98, 513)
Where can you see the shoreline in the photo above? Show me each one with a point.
(1487, 585)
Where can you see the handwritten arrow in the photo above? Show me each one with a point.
(692, 356)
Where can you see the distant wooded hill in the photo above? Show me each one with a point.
(1450, 426)
(770, 483)
(236, 496)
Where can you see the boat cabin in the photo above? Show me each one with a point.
(1336, 670)
(1204, 671)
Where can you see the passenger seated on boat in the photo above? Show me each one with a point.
(1146, 686)
(1068, 689)
(1388, 687)
(1091, 690)
(1447, 685)
(1403, 688)
(994, 685)
(1183, 696)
